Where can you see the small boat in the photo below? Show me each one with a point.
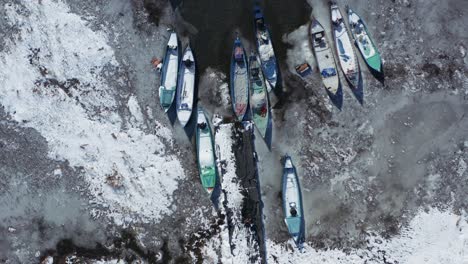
(365, 44)
(239, 80)
(346, 54)
(205, 152)
(167, 90)
(265, 49)
(292, 203)
(186, 87)
(258, 96)
(326, 63)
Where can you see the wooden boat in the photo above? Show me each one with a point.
(239, 80)
(205, 152)
(366, 46)
(326, 63)
(292, 203)
(258, 96)
(167, 90)
(186, 87)
(346, 54)
(265, 49)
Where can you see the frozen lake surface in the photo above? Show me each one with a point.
(92, 169)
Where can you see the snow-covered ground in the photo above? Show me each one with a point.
(235, 242)
(82, 137)
(55, 82)
(432, 236)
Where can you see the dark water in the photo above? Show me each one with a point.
(217, 22)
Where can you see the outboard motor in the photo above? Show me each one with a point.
(202, 125)
(188, 63)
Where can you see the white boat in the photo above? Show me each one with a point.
(346, 54)
(326, 63)
(167, 90)
(186, 87)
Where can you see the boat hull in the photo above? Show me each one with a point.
(326, 63)
(365, 44)
(205, 153)
(265, 49)
(346, 55)
(292, 203)
(186, 87)
(239, 80)
(258, 96)
(169, 72)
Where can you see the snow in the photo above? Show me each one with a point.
(223, 140)
(238, 248)
(128, 170)
(432, 236)
(462, 166)
(110, 261)
(135, 110)
(48, 260)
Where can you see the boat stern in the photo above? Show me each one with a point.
(375, 62)
(336, 98)
(288, 162)
(184, 116)
(173, 41)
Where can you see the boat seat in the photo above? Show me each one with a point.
(184, 106)
(255, 72)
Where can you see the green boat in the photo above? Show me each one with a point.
(258, 96)
(364, 42)
(169, 73)
(205, 153)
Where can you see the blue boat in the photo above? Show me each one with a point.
(265, 49)
(239, 80)
(169, 70)
(292, 203)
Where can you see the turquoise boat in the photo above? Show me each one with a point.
(364, 43)
(169, 71)
(292, 203)
(205, 152)
(258, 96)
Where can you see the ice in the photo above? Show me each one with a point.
(237, 246)
(135, 110)
(301, 51)
(432, 237)
(80, 122)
